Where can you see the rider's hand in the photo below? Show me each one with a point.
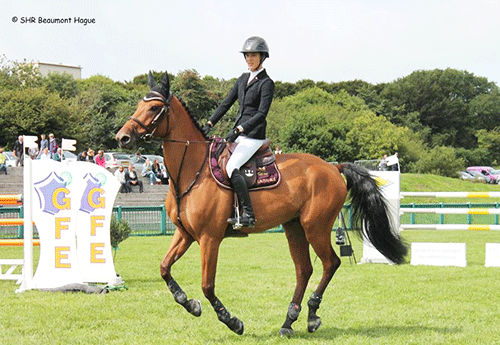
(233, 135)
(207, 128)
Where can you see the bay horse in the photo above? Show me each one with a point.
(306, 202)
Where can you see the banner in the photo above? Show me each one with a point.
(72, 208)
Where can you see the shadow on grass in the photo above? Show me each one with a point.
(332, 333)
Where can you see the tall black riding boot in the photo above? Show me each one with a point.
(247, 217)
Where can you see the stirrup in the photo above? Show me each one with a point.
(240, 221)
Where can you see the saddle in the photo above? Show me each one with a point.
(260, 172)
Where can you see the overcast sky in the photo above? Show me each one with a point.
(376, 41)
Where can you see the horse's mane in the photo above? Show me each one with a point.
(193, 119)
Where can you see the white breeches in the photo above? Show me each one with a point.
(243, 152)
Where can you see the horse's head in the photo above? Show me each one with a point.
(150, 119)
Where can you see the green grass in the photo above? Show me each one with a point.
(364, 304)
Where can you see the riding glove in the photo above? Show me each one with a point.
(232, 135)
(206, 129)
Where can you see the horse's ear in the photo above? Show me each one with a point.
(151, 81)
(165, 85)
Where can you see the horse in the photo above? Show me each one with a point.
(306, 203)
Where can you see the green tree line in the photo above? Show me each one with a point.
(439, 121)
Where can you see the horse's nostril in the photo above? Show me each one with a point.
(125, 139)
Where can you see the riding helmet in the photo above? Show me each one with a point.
(256, 44)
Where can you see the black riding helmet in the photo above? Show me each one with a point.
(256, 44)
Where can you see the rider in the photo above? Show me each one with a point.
(254, 92)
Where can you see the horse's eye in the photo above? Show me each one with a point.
(154, 108)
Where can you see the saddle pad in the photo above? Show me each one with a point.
(257, 174)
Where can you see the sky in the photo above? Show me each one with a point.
(324, 40)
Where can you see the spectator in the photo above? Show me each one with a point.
(160, 171)
(3, 158)
(18, 151)
(44, 143)
(120, 176)
(58, 155)
(383, 164)
(99, 159)
(45, 155)
(147, 171)
(52, 144)
(82, 156)
(132, 179)
(90, 155)
(33, 152)
(277, 151)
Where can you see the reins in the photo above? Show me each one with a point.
(151, 130)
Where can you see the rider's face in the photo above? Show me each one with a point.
(253, 61)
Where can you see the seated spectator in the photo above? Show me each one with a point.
(132, 179)
(160, 171)
(58, 155)
(147, 171)
(120, 176)
(82, 156)
(99, 159)
(3, 159)
(90, 156)
(45, 155)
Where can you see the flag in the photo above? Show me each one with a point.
(68, 144)
(30, 141)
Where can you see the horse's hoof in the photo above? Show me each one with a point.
(286, 332)
(313, 324)
(236, 325)
(194, 307)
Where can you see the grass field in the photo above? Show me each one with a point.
(364, 304)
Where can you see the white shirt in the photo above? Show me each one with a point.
(120, 175)
(253, 74)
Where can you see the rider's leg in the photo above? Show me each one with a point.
(242, 153)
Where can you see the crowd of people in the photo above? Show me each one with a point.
(49, 148)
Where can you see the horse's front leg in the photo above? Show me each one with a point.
(209, 255)
(179, 245)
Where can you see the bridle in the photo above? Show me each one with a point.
(153, 125)
(150, 131)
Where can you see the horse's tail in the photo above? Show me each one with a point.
(370, 213)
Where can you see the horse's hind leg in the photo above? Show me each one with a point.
(320, 238)
(299, 249)
(179, 245)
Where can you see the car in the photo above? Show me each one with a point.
(478, 177)
(464, 175)
(491, 174)
(69, 156)
(10, 161)
(153, 157)
(115, 159)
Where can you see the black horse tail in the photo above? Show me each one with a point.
(370, 213)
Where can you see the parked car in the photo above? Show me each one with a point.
(480, 177)
(153, 157)
(471, 176)
(115, 159)
(69, 156)
(10, 161)
(492, 175)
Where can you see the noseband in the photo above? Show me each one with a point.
(153, 125)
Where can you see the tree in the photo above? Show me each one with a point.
(62, 83)
(440, 99)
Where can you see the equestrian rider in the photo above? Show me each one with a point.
(254, 92)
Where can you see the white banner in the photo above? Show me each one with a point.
(438, 254)
(492, 255)
(72, 208)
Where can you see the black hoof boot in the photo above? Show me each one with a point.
(291, 316)
(233, 323)
(313, 321)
